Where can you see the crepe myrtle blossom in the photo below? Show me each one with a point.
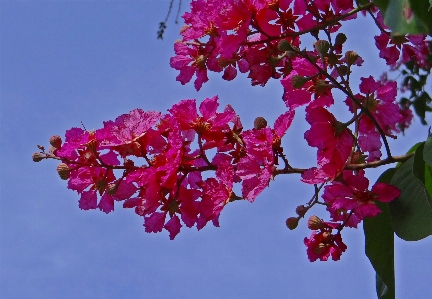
(223, 35)
(149, 161)
(334, 142)
(350, 200)
(323, 243)
(380, 100)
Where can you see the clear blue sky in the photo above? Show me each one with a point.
(67, 62)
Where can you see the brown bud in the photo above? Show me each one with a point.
(37, 157)
(351, 57)
(284, 45)
(321, 86)
(340, 39)
(292, 222)
(63, 170)
(315, 223)
(298, 81)
(301, 210)
(322, 47)
(342, 70)
(260, 122)
(56, 141)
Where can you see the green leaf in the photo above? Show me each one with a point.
(427, 151)
(428, 179)
(412, 211)
(423, 13)
(381, 288)
(421, 105)
(397, 16)
(379, 241)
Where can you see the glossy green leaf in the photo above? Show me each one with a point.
(379, 245)
(428, 179)
(412, 211)
(427, 151)
(401, 20)
(422, 11)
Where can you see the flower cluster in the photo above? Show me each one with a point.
(155, 163)
(181, 168)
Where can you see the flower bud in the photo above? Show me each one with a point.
(340, 39)
(322, 47)
(56, 141)
(342, 70)
(260, 122)
(321, 86)
(298, 81)
(351, 57)
(292, 222)
(301, 210)
(284, 45)
(37, 157)
(314, 223)
(63, 170)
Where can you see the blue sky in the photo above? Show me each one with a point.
(67, 62)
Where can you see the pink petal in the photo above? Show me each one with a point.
(88, 200)
(106, 203)
(173, 226)
(155, 222)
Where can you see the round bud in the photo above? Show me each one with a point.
(315, 223)
(351, 57)
(298, 81)
(301, 210)
(56, 141)
(342, 70)
(292, 222)
(260, 122)
(63, 170)
(37, 157)
(340, 39)
(322, 47)
(284, 45)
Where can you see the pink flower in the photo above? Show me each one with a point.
(334, 142)
(350, 200)
(322, 243)
(255, 169)
(380, 100)
(211, 126)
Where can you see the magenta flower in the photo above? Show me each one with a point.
(380, 100)
(350, 200)
(211, 125)
(323, 243)
(334, 142)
